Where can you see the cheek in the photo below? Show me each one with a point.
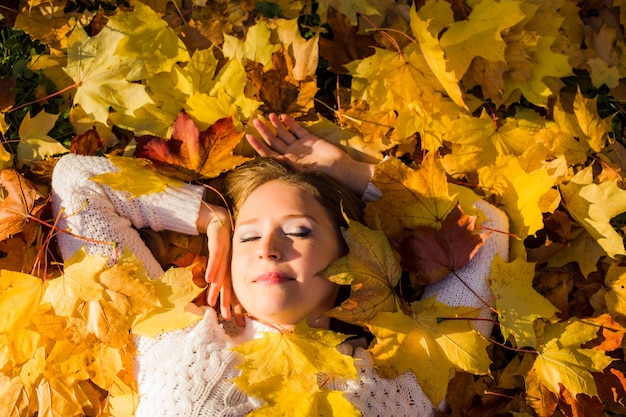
(238, 265)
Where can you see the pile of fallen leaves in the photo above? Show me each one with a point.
(517, 102)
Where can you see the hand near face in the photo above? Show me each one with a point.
(305, 151)
(216, 223)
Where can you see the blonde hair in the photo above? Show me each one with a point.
(335, 197)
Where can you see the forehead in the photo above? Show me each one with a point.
(280, 198)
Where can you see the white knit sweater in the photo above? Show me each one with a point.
(188, 372)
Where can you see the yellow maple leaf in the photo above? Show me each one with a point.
(426, 25)
(480, 34)
(148, 39)
(593, 206)
(279, 393)
(371, 268)
(6, 158)
(213, 94)
(517, 302)
(428, 345)
(389, 80)
(101, 75)
(77, 284)
(282, 366)
(525, 195)
(303, 351)
(478, 142)
(257, 46)
(201, 70)
(123, 397)
(107, 321)
(305, 51)
(562, 361)
(168, 91)
(47, 22)
(56, 397)
(584, 125)
(18, 346)
(582, 249)
(410, 197)
(537, 57)
(87, 360)
(32, 370)
(34, 140)
(175, 290)
(135, 177)
(20, 295)
(128, 278)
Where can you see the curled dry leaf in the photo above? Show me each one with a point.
(21, 202)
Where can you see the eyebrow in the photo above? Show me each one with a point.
(287, 217)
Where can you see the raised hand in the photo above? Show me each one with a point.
(306, 151)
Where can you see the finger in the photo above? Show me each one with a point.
(218, 246)
(294, 126)
(214, 290)
(281, 130)
(269, 137)
(237, 310)
(260, 147)
(225, 302)
(216, 280)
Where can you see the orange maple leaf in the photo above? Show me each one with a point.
(191, 154)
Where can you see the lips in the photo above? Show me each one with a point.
(272, 278)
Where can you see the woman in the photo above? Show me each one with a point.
(286, 231)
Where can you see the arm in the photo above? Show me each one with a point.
(99, 214)
(102, 219)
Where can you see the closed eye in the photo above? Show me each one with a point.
(248, 239)
(300, 233)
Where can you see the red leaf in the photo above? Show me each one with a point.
(86, 144)
(431, 254)
(191, 154)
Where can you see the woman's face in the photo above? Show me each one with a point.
(283, 238)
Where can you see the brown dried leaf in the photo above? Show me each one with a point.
(21, 201)
(432, 254)
(346, 45)
(86, 144)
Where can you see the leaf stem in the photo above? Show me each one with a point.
(382, 32)
(63, 90)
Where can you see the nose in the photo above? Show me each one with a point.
(269, 247)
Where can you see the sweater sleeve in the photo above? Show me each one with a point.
(373, 395)
(103, 220)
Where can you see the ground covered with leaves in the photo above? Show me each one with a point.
(517, 102)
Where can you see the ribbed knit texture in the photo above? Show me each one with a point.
(188, 372)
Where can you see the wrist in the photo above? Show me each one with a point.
(355, 174)
(210, 213)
